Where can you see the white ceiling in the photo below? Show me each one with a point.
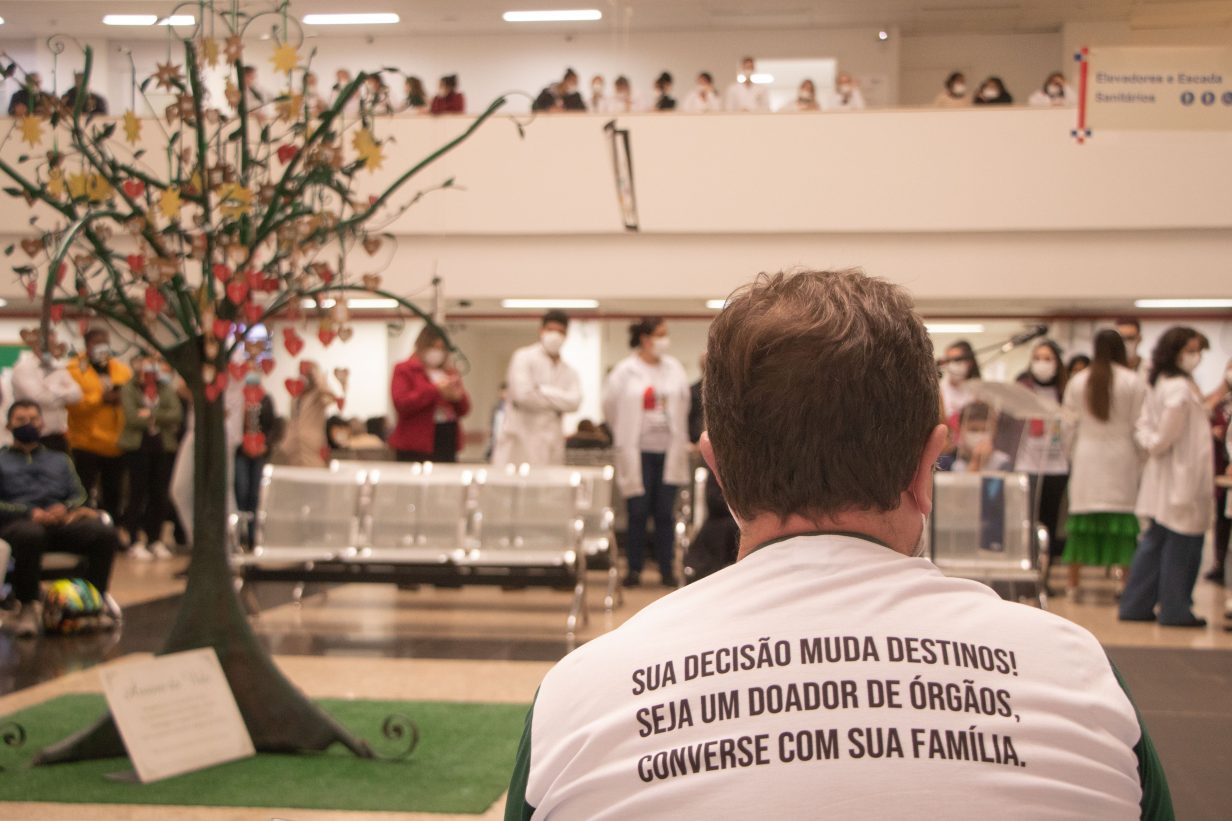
(83, 17)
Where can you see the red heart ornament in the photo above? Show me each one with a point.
(286, 153)
(60, 272)
(267, 366)
(253, 394)
(305, 368)
(220, 381)
(134, 188)
(292, 341)
(254, 279)
(222, 272)
(154, 299)
(254, 443)
(57, 313)
(341, 402)
(237, 370)
(212, 391)
(295, 386)
(221, 328)
(326, 337)
(32, 287)
(136, 262)
(237, 290)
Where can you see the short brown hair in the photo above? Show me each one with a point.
(820, 392)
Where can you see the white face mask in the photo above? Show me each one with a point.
(990, 93)
(552, 342)
(100, 353)
(973, 439)
(1054, 90)
(1190, 361)
(958, 370)
(844, 88)
(1043, 370)
(958, 89)
(662, 344)
(434, 358)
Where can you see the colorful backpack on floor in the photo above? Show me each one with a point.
(70, 606)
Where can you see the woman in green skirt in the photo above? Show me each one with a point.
(1101, 406)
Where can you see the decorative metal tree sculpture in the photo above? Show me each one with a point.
(246, 217)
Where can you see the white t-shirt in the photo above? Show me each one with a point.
(746, 97)
(826, 676)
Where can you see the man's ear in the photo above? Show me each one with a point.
(707, 452)
(922, 482)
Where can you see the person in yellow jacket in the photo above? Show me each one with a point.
(96, 422)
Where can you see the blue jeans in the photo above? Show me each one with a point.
(657, 501)
(1164, 571)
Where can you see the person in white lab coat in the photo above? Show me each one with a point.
(704, 97)
(40, 376)
(1054, 92)
(744, 94)
(847, 95)
(542, 388)
(646, 404)
(1176, 486)
(1101, 407)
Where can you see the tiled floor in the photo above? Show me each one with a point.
(375, 641)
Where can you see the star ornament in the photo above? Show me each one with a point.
(169, 204)
(285, 58)
(234, 200)
(234, 48)
(31, 130)
(368, 149)
(209, 51)
(132, 127)
(168, 75)
(55, 183)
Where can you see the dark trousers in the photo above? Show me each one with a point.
(1164, 571)
(656, 503)
(1223, 528)
(1052, 494)
(90, 538)
(149, 488)
(248, 470)
(91, 468)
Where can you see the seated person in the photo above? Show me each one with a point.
(976, 451)
(832, 672)
(42, 507)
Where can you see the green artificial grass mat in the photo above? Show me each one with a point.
(462, 764)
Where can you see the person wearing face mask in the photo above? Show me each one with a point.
(1101, 406)
(806, 98)
(993, 92)
(598, 93)
(43, 506)
(821, 407)
(974, 450)
(430, 402)
(1130, 330)
(847, 95)
(744, 94)
(954, 94)
(1219, 402)
(95, 422)
(542, 388)
(664, 101)
(959, 366)
(646, 404)
(1175, 494)
(41, 376)
(622, 100)
(304, 444)
(1054, 92)
(704, 97)
(1042, 449)
(152, 416)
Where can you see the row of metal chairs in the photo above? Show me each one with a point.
(412, 523)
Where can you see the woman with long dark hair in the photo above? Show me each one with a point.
(1175, 495)
(646, 404)
(1042, 452)
(1102, 404)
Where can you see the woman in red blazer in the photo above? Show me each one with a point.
(430, 402)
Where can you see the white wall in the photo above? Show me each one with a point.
(1022, 61)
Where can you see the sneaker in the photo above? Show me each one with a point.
(669, 581)
(29, 622)
(139, 552)
(111, 610)
(161, 551)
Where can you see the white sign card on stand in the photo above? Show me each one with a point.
(176, 714)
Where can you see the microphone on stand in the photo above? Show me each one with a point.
(1034, 332)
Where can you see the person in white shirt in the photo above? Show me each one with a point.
(1176, 495)
(1130, 330)
(1054, 92)
(744, 94)
(622, 99)
(806, 99)
(847, 95)
(1101, 407)
(1042, 450)
(646, 405)
(598, 93)
(954, 95)
(704, 97)
(959, 367)
(832, 671)
(40, 376)
(541, 388)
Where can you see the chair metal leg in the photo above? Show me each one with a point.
(613, 592)
(248, 597)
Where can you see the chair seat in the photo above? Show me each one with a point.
(515, 558)
(401, 555)
(273, 555)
